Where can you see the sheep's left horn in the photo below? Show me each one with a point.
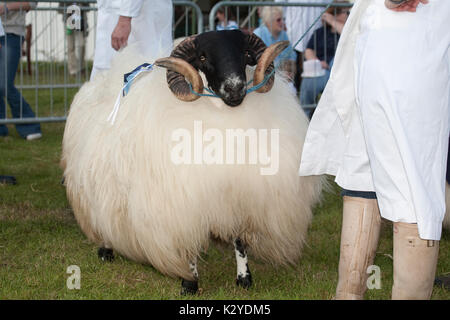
(177, 83)
(265, 65)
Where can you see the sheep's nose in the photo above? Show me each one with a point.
(230, 88)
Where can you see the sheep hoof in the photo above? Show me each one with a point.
(189, 287)
(244, 282)
(105, 254)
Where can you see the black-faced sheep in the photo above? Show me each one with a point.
(129, 195)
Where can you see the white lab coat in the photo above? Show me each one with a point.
(151, 27)
(382, 123)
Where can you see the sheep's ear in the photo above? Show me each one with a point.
(255, 48)
(178, 70)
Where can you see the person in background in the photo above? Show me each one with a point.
(322, 47)
(75, 37)
(272, 31)
(5, 179)
(298, 20)
(123, 22)
(13, 18)
(388, 156)
(226, 20)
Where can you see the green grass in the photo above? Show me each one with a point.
(39, 239)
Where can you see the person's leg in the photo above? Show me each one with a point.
(297, 77)
(19, 107)
(311, 87)
(359, 240)
(3, 128)
(80, 41)
(415, 263)
(71, 53)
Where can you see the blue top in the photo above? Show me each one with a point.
(231, 25)
(324, 43)
(267, 37)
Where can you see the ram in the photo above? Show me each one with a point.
(129, 195)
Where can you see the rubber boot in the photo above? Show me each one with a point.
(415, 263)
(359, 240)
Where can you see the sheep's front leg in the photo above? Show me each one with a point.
(244, 277)
(189, 286)
(105, 254)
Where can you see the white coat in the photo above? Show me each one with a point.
(151, 27)
(382, 123)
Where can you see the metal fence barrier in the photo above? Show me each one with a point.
(44, 77)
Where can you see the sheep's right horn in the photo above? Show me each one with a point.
(179, 68)
(265, 65)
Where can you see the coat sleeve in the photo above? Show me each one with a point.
(130, 8)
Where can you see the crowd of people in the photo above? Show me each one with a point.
(308, 65)
(381, 163)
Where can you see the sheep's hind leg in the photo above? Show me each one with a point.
(244, 277)
(105, 254)
(189, 286)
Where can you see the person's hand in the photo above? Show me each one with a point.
(328, 18)
(119, 37)
(324, 65)
(408, 5)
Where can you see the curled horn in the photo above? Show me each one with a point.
(265, 56)
(179, 68)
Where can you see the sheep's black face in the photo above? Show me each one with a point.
(222, 56)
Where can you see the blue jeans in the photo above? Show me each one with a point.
(10, 53)
(312, 87)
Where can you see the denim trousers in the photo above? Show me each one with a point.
(10, 54)
(311, 87)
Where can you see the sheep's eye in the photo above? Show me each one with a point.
(202, 58)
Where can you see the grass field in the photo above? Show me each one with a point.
(40, 239)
